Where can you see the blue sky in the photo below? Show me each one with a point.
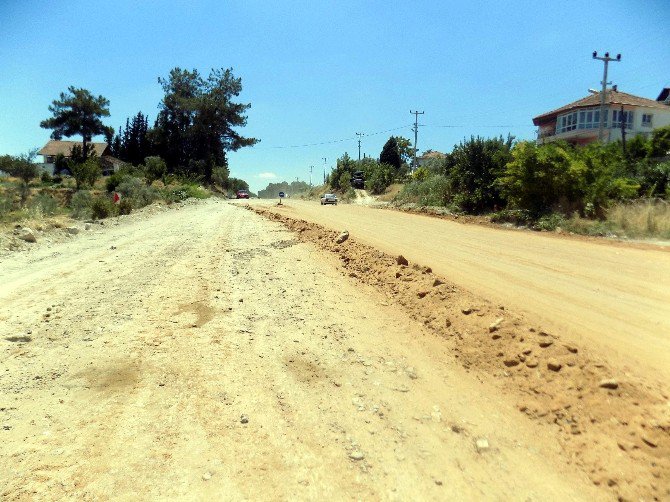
(318, 72)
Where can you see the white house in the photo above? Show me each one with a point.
(578, 122)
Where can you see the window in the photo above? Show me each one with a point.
(646, 119)
(583, 119)
(618, 116)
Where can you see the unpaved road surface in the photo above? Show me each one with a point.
(614, 297)
(207, 352)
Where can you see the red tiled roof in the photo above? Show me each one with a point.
(612, 98)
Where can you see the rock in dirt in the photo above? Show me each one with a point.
(26, 234)
(72, 230)
(546, 343)
(609, 383)
(401, 260)
(511, 362)
(494, 326)
(554, 365)
(356, 455)
(437, 283)
(87, 226)
(482, 444)
(342, 237)
(244, 419)
(207, 476)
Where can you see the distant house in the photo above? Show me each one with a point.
(53, 148)
(579, 121)
(429, 156)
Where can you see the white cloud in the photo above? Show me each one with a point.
(267, 176)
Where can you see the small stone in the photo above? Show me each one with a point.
(609, 383)
(572, 349)
(87, 226)
(72, 230)
(356, 455)
(342, 237)
(466, 311)
(546, 343)
(401, 260)
(26, 234)
(437, 282)
(494, 326)
(511, 362)
(554, 365)
(438, 482)
(244, 419)
(207, 476)
(482, 444)
(532, 363)
(422, 294)
(411, 372)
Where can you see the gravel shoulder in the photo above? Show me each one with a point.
(207, 352)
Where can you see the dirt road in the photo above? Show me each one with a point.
(204, 352)
(614, 298)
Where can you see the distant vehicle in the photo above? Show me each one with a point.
(242, 194)
(328, 198)
(282, 195)
(358, 179)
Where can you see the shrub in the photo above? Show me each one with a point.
(101, 208)
(125, 206)
(115, 180)
(138, 193)
(183, 192)
(86, 173)
(43, 205)
(81, 204)
(46, 178)
(154, 169)
(380, 177)
(434, 191)
(549, 222)
(515, 216)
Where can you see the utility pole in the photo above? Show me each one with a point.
(310, 175)
(360, 135)
(606, 59)
(623, 131)
(324, 170)
(416, 133)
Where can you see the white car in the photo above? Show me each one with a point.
(329, 198)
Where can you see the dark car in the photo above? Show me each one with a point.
(242, 194)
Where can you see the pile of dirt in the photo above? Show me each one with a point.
(610, 422)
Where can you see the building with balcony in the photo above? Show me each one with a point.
(579, 121)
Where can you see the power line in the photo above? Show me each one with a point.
(331, 141)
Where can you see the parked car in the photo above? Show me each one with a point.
(242, 194)
(329, 198)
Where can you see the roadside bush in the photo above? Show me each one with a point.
(643, 218)
(549, 222)
(434, 191)
(46, 178)
(6, 203)
(517, 217)
(154, 169)
(138, 193)
(125, 206)
(380, 177)
(86, 173)
(43, 205)
(113, 181)
(183, 192)
(101, 208)
(81, 204)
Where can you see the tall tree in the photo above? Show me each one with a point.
(78, 112)
(196, 123)
(390, 154)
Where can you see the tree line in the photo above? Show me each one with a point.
(195, 128)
